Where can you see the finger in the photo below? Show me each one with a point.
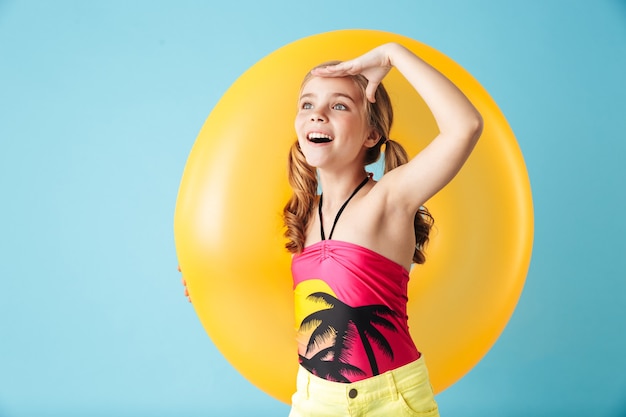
(178, 267)
(336, 70)
(186, 293)
(323, 72)
(183, 281)
(370, 91)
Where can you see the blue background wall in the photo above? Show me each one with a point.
(100, 103)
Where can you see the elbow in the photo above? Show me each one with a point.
(476, 127)
(465, 129)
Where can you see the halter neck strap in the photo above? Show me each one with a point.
(319, 209)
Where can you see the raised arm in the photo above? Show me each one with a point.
(460, 124)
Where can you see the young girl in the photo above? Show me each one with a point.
(353, 245)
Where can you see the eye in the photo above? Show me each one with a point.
(306, 106)
(339, 106)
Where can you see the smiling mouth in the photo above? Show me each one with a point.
(319, 138)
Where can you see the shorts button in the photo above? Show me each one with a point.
(353, 393)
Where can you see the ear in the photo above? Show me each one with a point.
(373, 138)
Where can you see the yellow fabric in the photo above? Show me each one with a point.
(405, 391)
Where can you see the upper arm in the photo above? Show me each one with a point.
(409, 186)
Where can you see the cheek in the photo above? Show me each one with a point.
(299, 127)
(297, 123)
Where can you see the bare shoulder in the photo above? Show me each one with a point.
(374, 222)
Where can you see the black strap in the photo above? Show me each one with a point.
(319, 209)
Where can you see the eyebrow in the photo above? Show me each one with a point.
(334, 95)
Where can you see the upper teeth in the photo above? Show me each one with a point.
(316, 135)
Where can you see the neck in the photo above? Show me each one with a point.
(337, 187)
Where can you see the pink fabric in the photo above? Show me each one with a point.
(365, 311)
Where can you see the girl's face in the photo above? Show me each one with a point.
(331, 124)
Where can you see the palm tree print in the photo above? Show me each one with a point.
(346, 325)
(324, 368)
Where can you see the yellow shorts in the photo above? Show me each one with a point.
(405, 391)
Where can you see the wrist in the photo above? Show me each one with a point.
(394, 52)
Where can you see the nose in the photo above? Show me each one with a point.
(318, 116)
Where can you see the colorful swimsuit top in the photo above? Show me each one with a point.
(350, 305)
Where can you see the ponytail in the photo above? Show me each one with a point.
(297, 212)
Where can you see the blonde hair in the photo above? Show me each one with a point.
(298, 211)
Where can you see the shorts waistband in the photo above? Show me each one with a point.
(386, 385)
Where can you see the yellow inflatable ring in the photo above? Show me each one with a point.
(228, 229)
